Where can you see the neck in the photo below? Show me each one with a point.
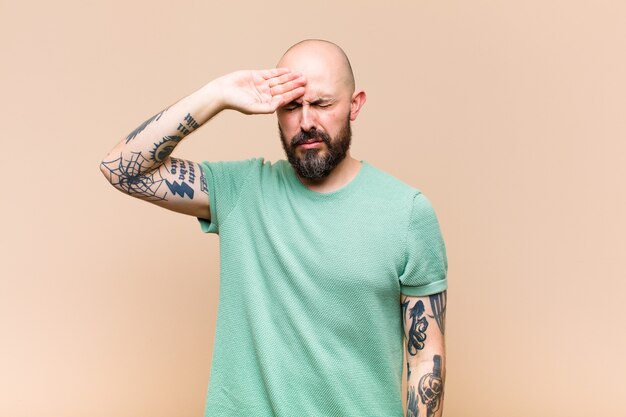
(338, 177)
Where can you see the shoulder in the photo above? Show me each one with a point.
(389, 186)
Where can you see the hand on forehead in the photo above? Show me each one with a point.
(325, 66)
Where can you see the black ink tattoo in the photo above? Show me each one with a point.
(183, 169)
(203, 184)
(128, 175)
(438, 305)
(182, 129)
(431, 388)
(186, 172)
(183, 189)
(192, 172)
(191, 122)
(142, 126)
(164, 148)
(408, 370)
(417, 332)
(411, 405)
(189, 126)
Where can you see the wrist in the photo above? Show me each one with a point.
(214, 97)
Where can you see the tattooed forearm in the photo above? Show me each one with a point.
(431, 388)
(438, 306)
(130, 176)
(411, 405)
(142, 126)
(417, 333)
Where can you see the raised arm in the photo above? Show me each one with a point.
(140, 165)
(424, 328)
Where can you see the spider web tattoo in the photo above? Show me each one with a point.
(126, 174)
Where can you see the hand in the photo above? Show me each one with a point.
(260, 91)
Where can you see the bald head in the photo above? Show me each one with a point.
(321, 59)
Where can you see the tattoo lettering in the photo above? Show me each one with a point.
(190, 121)
(128, 175)
(192, 172)
(182, 129)
(431, 388)
(417, 332)
(142, 126)
(189, 126)
(203, 184)
(408, 370)
(174, 168)
(181, 165)
(438, 305)
(186, 172)
(411, 405)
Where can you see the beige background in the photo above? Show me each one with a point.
(509, 115)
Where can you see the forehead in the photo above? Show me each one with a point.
(324, 74)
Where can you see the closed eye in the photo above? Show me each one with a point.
(291, 106)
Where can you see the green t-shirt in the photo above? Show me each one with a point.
(309, 318)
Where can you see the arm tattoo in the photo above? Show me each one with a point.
(203, 184)
(411, 405)
(186, 171)
(189, 126)
(164, 148)
(431, 388)
(438, 305)
(419, 324)
(129, 176)
(142, 126)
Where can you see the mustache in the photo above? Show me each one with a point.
(307, 135)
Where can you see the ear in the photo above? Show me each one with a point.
(358, 100)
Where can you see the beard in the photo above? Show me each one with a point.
(315, 163)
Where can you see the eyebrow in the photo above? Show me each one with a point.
(314, 102)
(317, 101)
(321, 100)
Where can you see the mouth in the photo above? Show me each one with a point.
(310, 144)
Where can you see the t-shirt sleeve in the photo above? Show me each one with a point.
(426, 266)
(225, 180)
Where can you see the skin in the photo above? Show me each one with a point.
(328, 101)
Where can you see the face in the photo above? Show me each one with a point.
(315, 128)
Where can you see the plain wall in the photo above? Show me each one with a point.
(508, 115)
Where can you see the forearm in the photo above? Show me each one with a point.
(155, 139)
(425, 387)
(424, 327)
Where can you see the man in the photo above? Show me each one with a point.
(325, 260)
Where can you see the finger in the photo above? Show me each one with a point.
(284, 78)
(288, 86)
(274, 72)
(288, 97)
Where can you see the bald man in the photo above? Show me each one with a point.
(330, 268)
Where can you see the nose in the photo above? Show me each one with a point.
(308, 118)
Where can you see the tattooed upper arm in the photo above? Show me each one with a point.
(177, 184)
(422, 317)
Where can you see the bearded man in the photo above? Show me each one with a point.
(327, 265)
